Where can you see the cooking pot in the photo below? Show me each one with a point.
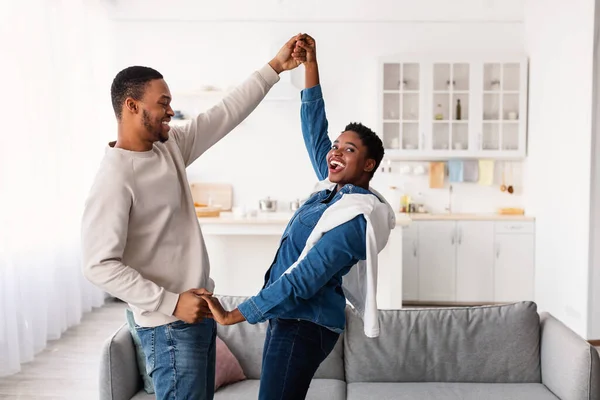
(267, 205)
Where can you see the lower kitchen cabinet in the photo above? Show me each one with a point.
(474, 261)
(468, 261)
(437, 261)
(410, 262)
(514, 273)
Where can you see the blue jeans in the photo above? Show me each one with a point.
(293, 351)
(180, 359)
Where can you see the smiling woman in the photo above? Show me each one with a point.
(350, 159)
(55, 69)
(332, 240)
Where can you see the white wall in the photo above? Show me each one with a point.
(466, 197)
(594, 286)
(559, 40)
(265, 155)
(317, 10)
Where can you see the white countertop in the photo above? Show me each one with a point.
(267, 218)
(282, 218)
(470, 217)
(264, 218)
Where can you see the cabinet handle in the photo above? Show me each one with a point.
(497, 251)
(414, 250)
(452, 238)
(459, 236)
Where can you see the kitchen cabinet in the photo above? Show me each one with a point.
(419, 118)
(514, 270)
(468, 261)
(437, 261)
(474, 261)
(410, 262)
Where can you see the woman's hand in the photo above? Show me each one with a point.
(306, 53)
(219, 314)
(289, 56)
(306, 50)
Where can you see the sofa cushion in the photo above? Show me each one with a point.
(246, 342)
(490, 344)
(330, 389)
(227, 368)
(444, 390)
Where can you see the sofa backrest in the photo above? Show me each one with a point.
(490, 344)
(246, 343)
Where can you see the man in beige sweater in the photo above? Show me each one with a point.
(141, 240)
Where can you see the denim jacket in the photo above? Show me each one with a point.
(313, 290)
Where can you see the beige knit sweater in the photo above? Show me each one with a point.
(141, 240)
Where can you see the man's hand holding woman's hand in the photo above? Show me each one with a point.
(289, 56)
(305, 50)
(191, 307)
(220, 315)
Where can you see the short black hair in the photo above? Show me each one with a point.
(130, 82)
(370, 140)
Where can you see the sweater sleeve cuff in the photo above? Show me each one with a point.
(168, 303)
(311, 94)
(251, 312)
(269, 75)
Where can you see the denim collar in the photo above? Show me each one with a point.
(327, 195)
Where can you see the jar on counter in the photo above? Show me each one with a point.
(295, 205)
(393, 196)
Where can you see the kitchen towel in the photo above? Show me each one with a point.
(470, 171)
(455, 171)
(436, 175)
(486, 172)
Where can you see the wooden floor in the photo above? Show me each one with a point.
(68, 367)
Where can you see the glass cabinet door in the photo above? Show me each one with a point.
(451, 89)
(501, 105)
(401, 103)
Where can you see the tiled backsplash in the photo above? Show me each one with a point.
(466, 197)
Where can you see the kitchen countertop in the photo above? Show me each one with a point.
(264, 218)
(282, 218)
(469, 217)
(265, 223)
(275, 218)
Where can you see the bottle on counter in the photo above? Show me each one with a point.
(405, 203)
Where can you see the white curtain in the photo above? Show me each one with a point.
(56, 70)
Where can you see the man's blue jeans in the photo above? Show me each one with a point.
(292, 354)
(180, 359)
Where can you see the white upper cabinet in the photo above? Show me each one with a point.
(467, 107)
(402, 105)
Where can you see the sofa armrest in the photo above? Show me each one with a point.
(119, 375)
(570, 365)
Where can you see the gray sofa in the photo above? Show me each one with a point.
(493, 352)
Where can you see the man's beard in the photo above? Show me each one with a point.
(156, 132)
